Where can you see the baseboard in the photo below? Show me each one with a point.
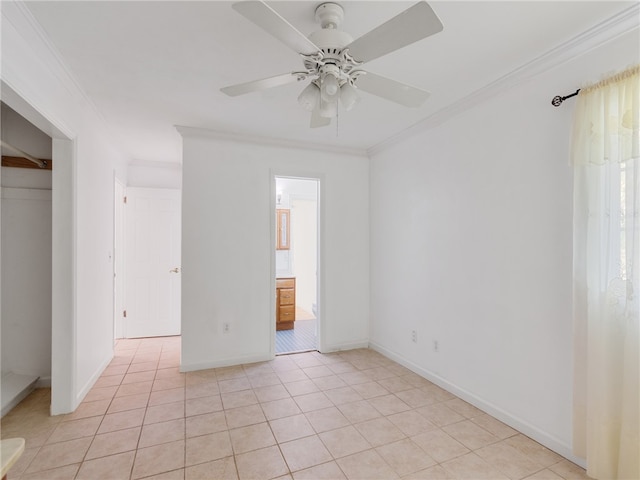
(14, 388)
(91, 382)
(339, 347)
(224, 362)
(44, 382)
(230, 361)
(531, 431)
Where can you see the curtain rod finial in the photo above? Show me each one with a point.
(557, 101)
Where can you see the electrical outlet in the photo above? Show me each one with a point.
(436, 346)
(414, 336)
(225, 327)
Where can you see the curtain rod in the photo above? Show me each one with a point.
(557, 100)
(37, 161)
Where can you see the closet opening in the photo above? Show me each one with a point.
(26, 258)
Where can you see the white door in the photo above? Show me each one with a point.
(153, 262)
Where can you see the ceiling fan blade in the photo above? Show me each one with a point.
(269, 20)
(414, 24)
(391, 90)
(263, 84)
(317, 120)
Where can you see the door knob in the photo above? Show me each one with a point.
(174, 270)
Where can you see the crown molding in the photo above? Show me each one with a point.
(17, 13)
(623, 22)
(194, 132)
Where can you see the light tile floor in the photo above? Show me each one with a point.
(354, 414)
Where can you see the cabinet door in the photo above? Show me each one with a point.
(277, 305)
(287, 296)
(287, 313)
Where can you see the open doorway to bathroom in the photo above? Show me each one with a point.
(296, 259)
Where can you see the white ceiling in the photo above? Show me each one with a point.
(148, 66)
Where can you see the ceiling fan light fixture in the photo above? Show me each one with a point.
(330, 88)
(309, 97)
(333, 60)
(328, 109)
(349, 96)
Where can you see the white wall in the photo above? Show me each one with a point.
(154, 174)
(37, 86)
(304, 240)
(228, 246)
(471, 245)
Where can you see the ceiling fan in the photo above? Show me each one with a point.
(333, 60)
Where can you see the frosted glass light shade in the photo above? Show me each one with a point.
(330, 88)
(309, 97)
(349, 96)
(328, 109)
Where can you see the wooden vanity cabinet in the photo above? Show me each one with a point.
(285, 303)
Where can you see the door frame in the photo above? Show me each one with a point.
(320, 179)
(118, 256)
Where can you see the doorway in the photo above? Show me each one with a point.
(296, 261)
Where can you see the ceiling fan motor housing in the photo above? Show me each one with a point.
(331, 42)
(329, 15)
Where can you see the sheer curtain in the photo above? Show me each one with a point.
(605, 156)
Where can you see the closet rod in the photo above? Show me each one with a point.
(37, 161)
(557, 100)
